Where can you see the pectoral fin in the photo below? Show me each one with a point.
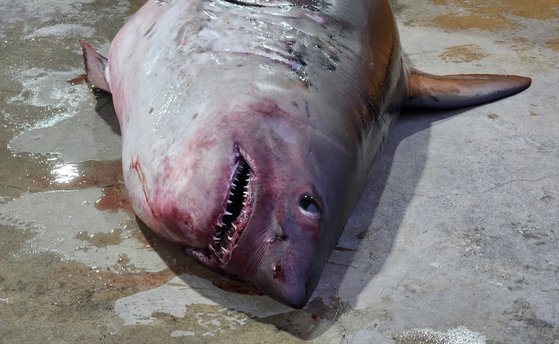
(454, 91)
(95, 67)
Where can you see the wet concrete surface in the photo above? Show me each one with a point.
(454, 241)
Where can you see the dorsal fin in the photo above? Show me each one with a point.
(454, 91)
(95, 67)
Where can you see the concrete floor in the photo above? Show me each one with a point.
(454, 241)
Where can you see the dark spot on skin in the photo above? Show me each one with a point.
(328, 66)
(333, 57)
(297, 50)
(195, 115)
(244, 3)
(533, 114)
(151, 110)
(180, 35)
(493, 116)
(362, 235)
(295, 104)
(150, 29)
(278, 272)
(314, 316)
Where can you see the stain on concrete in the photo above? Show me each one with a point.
(456, 22)
(100, 239)
(463, 53)
(114, 197)
(494, 15)
(530, 231)
(553, 44)
(535, 329)
(547, 197)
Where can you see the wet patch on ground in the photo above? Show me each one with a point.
(72, 302)
(434, 258)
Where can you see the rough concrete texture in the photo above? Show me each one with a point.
(454, 241)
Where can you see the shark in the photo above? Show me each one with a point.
(251, 127)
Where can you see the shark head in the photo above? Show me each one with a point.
(282, 200)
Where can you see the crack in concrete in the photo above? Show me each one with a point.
(414, 194)
(344, 328)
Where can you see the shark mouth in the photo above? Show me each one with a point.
(237, 210)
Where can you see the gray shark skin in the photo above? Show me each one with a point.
(250, 127)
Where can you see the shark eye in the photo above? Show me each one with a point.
(310, 207)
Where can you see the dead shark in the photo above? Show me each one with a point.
(250, 127)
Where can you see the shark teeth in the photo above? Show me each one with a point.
(228, 226)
